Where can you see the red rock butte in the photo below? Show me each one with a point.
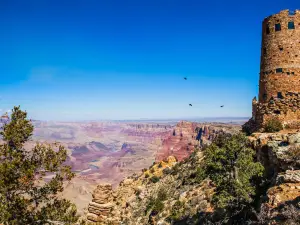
(279, 84)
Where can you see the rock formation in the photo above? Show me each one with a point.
(282, 163)
(100, 208)
(162, 182)
(186, 136)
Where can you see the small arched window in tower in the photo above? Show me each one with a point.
(277, 27)
(281, 48)
(265, 96)
(279, 70)
(277, 112)
(291, 25)
(267, 29)
(279, 95)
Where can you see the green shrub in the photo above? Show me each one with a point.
(146, 175)
(200, 175)
(273, 125)
(175, 212)
(154, 179)
(156, 205)
(162, 194)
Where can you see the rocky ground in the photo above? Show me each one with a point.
(280, 155)
(170, 190)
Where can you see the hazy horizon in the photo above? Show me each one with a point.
(192, 119)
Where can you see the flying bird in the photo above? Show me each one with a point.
(222, 106)
(190, 105)
(185, 78)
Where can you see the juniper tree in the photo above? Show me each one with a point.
(25, 196)
(229, 163)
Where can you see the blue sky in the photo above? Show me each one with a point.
(109, 59)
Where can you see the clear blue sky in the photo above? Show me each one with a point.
(108, 59)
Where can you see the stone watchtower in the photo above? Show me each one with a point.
(279, 84)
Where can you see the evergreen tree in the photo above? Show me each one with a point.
(25, 197)
(229, 163)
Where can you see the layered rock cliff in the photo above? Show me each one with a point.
(186, 136)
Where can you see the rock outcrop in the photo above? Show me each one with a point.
(101, 206)
(279, 154)
(137, 199)
(186, 136)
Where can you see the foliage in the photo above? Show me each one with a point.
(273, 125)
(229, 164)
(160, 165)
(24, 195)
(175, 212)
(175, 169)
(146, 175)
(167, 170)
(156, 205)
(162, 194)
(152, 170)
(200, 175)
(154, 179)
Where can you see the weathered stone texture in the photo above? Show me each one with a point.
(280, 50)
(286, 108)
(279, 84)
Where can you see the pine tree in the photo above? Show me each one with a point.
(25, 196)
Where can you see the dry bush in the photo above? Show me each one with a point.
(273, 125)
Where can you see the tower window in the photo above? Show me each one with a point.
(267, 29)
(279, 70)
(265, 51)
(291, 25)
(279, 95)
(265, 97)
(281, 48)
(277, 27)
(276, 111)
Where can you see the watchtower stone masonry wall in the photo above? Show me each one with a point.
(279, 83)
(280, 55)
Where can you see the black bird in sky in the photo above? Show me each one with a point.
(185, 78)
(190, 105)
(222, 106)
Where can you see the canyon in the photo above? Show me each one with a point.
(109, 151)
